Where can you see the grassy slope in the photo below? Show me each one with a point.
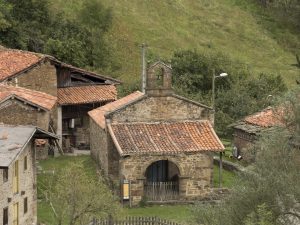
(212, 25)
(230, 26)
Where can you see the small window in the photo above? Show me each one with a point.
(5, 216)
(5, 175)
(25, 205)
(25, 163)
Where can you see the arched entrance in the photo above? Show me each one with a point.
(162, 181)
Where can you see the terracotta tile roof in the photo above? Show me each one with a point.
(86, 94)
(98, 114)
(36, 98)
(15, 61)
(269, 117)
(165, 137)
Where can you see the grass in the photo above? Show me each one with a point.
(45, 214)
(228, 178)
(234, 27)
(176, 213)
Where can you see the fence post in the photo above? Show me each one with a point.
(110, 220)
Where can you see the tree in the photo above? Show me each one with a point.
(238, 95)
(76, 197)
(5, 9)
(80, 40)
(269, 192)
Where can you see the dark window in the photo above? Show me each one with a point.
(5, 216)
(25, 163)
(5, 175)
(25, 205)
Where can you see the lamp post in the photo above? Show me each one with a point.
(213, 107)
(214, 77)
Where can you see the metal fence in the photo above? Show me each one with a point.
(161, 191)
(134, 221)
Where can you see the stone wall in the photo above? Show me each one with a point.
(15, 112)
(27, 188)
(98, 145)
(162, 109)
(41, 78)
(196, 171)
(82, 133)
(244, 141)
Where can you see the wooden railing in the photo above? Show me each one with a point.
(161, 191)
(134, 221)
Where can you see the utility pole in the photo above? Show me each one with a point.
(144, 46)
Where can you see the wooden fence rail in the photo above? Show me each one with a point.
(134, 221)
(161, 191)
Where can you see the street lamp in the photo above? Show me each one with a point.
(213, 107)
(214, 77)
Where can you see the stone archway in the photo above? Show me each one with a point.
(162, 181)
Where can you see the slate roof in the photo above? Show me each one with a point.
(165, 137)
(98, 114)
(35, 98)
(13, 139)
(86, 94)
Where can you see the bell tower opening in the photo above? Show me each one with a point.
(159, 80)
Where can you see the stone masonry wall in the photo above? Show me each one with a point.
(41, 78)
(15, 112)
(162, 109)
(194, 179)
(244, 142)
(98, 145)
(27, 188)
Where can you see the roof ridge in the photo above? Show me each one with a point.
(163, 122)
(23, 88)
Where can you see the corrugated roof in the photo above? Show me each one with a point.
(13, 139)
(86, 94)
(165, 137)
(98, 114)
(36, 98)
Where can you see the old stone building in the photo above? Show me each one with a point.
(160, 143)
(249, 129)
(18, 191)
(77, 90)
(21, 106)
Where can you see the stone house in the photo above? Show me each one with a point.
(21, 106)
(29, 107)
(18, 190)
(160, 143)
(249, 129)
(72, 86)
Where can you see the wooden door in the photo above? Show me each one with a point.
(16, 178)
(16, 214)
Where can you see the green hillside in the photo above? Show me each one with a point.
(207, 25)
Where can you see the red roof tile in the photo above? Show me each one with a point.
(39, 99)
(165, 137)
(86, 94)
(15, 61)
(98, 114)
(266, 118)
